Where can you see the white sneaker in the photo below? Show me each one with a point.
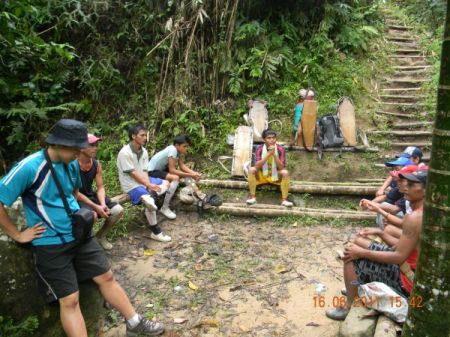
(251, 201)
(149, 202)
(105, 244)
(160, 237)
(168, 213)
(287, 203)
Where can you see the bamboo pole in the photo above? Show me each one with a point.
(271, 211)
(325, 188)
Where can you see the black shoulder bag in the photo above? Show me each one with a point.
(83, 219)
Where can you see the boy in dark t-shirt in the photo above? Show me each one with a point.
(90, 170)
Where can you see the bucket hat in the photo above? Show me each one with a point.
(69, 132)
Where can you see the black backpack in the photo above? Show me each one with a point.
(330, 132)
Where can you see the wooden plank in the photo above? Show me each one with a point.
(394, 114)
(409, 97)
(399, 27)
(409, 125)
(414, 133)
(406, 144)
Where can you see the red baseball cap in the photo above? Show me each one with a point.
(404, 170)
(92, 139)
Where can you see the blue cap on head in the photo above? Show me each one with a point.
(401, 161)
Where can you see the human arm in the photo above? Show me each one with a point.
(184, 170)
(27, 235)
(386, 237)
(408, 241)
(101, 194)
(378, 208)
(142, 178)
(97, 208)
(383, 187)
(260, 160)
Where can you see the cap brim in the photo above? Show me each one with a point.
(410, 177)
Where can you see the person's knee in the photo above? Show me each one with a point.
(174, 177)
(70, 301)
(117, 211)
(252, 171)
(284, 173)
(105, 278)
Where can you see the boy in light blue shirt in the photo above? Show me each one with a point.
(163, 165)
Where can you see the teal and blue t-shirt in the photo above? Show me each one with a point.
(31, 179)
(297, 115)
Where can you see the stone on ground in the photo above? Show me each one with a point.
(355, 325)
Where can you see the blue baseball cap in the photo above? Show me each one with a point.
(412, 151)
(400, 161)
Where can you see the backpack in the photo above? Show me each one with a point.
(330, 134)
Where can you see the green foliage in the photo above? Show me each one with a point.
(177, 67)
(22, 329)
(428, 12)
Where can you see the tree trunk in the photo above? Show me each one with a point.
(432, 280)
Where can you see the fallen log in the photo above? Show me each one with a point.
(300, 187)
(370, 180)
(307, 209)
(273, 211)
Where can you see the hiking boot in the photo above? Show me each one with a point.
(338, 314)
(161, 237)
(251, 201)
(105, 244)
(168, 213)
(149, 202)
(145, 328)
(287, 203)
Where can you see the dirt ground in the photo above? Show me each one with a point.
(229, 276)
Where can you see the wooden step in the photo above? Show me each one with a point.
(394, 56)
(400, 39)
(402, 104)
(401, 133)
(402, 89)
(400, 27)
(419, 72)
(411, 67)
(412, 125)
(394, 114)
(406, 144)
(404, 44)
(403, 97)
(407, 80)
(407, 51)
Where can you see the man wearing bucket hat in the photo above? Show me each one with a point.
(90, 171)
(60, 260)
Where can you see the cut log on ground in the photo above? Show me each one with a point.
(275, 210)
(325, 188)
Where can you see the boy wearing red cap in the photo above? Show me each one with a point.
(104, 207)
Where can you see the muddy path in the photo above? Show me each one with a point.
(227, 276)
